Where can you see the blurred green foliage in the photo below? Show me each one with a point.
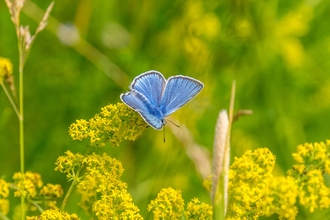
(277, 51)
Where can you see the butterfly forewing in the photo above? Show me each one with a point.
(141, 104)
(151, 85)
(179, 90)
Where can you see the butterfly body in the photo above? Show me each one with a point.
(154, 97)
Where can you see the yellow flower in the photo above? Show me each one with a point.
(313, 161)
(279, 196)
(168, 204)
(52, 190)
(6, 68)
(4, 193)
(4, 189)
(114, 123)
(198, 210)
(207, 183)
(102, 190)
(69, 162)
(27, 183)
(4, 206)
(249, 179)
(54, 214)
(313, 156)
(300, 168)
(116, 203)
(313, 192)
(327, 166)
(254, 192)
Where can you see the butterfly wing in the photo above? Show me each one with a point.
(179, 90)
(151, 84)
(139, 103)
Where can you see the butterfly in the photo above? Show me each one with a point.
(154, 97)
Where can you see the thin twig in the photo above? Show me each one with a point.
(11, 100)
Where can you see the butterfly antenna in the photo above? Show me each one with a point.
(173, 123)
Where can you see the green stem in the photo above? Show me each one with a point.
(11, 100)
(21, 109)
(75, 181)
(21, 130)
(73, 184)
(2, 216)
(37, 206)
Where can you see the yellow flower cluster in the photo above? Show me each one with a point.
(252, 166)
(102, 179)
(312, 162)
(68, 163)
(31, 186)
(4, 193)
(27, 184)
(6, 69)
(279, 196)
(52, 191)
(254, 192)
(197, 210)
(100, 186)
(169, 205)
(114, 123)
(315, 156)
(54, 214)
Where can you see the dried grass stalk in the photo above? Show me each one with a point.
(219, 154)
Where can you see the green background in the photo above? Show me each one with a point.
(277, 51)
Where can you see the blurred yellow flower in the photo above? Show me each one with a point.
(4, 206)
(4, 193)
(52, 190)
(243, 28)
(6, 68)
(288, 30)
(54, 214)
(27, 184)
(4, 189)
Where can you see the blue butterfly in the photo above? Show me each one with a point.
(154, 97)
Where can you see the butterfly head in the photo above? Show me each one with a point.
(164, 122)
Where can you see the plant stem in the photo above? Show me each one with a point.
(2, 216)
(75, 180)
(21, 110)
(21, 133)
(73, 184)
(11, 100)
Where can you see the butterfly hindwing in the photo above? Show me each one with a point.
(151, 84)
(179, 90)
(139, 103)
